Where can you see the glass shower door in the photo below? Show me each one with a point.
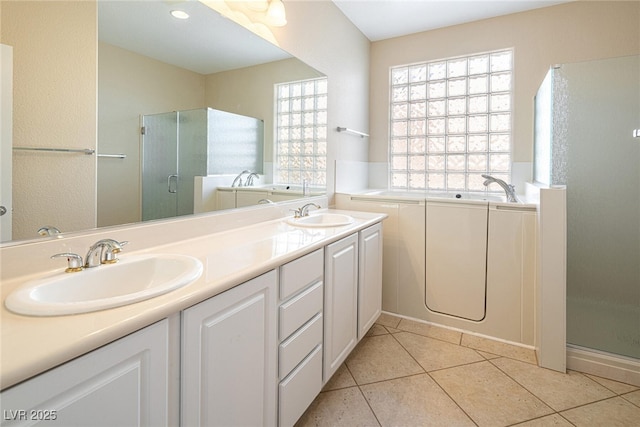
(603, 203)
(192, 155)
(159, 165)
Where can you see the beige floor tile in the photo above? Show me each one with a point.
(548, 421)
(615, 386)
(499, 348)
(433, 354)
(392, 330)
(633, 397)
(387, 319)
(558, 390)
(376, 329)
(413, 401)
(430, 331)
(380, 358)
(488, 356)
(341, 379)
(615, 412)
(346, 407)
(489, 396)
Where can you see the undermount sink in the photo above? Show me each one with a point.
(132, 279)
(321, 220)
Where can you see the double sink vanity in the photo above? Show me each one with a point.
(239, 322)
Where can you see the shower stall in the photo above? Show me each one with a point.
(588, 138)
(180, 145)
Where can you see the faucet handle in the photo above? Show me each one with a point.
(297, 213)
(111, 250)
(74, 261)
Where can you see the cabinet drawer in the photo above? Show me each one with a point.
(300, 344)
(299, 389)
(300, 273)
(299, 309)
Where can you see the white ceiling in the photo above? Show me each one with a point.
(383, 19)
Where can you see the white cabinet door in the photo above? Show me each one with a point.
(369, 278)
(341, 303)
(229, 357)
(125, 383)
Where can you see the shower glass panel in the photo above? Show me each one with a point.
(180, 145)
(595, 110)
(159, 165)
(192, 155)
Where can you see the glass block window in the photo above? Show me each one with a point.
(301, 132)
(450, 122)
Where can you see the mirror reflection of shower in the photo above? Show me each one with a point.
(179, 146)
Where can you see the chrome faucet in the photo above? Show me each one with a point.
(48, 230)
(249, 181)
(304, 211)
(103, 252)
(509, 189)
(237, 182)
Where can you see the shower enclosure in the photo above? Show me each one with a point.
(180, 145)
(588, 138)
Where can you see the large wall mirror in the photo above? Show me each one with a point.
(144, 62)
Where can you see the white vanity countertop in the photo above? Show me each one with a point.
(31, 345)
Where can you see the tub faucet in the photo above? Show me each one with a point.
(103, 252)
(48, 230)
(249, 181)
(509, 189)
(237, 182)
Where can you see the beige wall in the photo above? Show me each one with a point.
(571, 32)
(56, 108)
(320, 35)
(129, 85)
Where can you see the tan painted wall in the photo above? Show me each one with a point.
(319, 34)
(129, 85)
(572, 32)
(53, 187)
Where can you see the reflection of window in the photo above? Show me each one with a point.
(451, 122)
(301, 132)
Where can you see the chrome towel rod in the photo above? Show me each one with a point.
(86, 151)
(355, 132)
(113, 156)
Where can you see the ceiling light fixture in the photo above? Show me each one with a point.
(276, 15)
(179, 14)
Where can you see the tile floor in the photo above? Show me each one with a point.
(405, 373)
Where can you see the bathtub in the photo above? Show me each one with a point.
(493, 241)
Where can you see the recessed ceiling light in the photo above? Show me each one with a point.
(179, 14)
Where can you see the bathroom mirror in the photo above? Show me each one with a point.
(148, 63)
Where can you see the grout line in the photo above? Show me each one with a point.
(452, 399)
(521, 385)
(370, 407)
(633, 403)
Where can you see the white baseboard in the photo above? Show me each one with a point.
(606, 365)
